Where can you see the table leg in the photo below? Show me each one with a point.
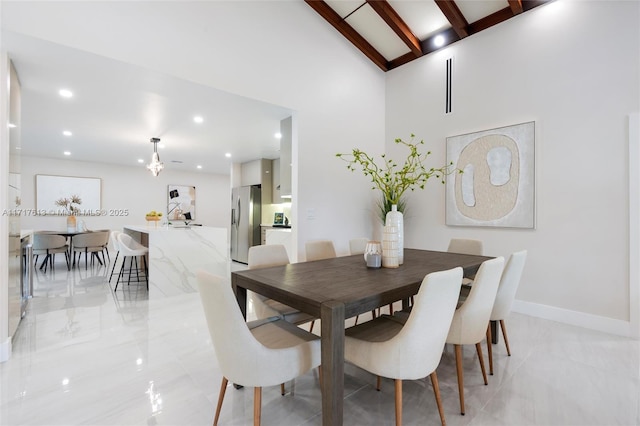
(494, 332)
(241, 297)
(332, 318)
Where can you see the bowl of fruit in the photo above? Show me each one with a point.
(153, 216)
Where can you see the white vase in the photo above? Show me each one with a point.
(395, 218)
(390, 247)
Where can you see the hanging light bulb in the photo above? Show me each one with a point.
(156, 165)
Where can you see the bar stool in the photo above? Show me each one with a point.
(132, 249)
(116, 246)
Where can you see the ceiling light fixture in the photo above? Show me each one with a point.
(12, 126)
(438, 41)
(65, 93)
(228, 155)
(67, 133)
(198, 119)
(156, 165)
(278, 135)
(67, 153)
(140, 160)
(199, 166)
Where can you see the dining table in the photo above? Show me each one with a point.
(342, 287)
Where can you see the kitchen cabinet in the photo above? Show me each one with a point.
(264, 229)
(258, 172)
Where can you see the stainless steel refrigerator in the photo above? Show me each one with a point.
(246, 214)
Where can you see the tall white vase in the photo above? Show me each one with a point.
(396, 219)
(390, 247)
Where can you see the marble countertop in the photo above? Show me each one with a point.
(162, 228)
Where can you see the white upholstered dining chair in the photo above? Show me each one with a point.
(465, 246)
(387, 348)
(320, 249)
(469, 324)
(49, 245)
(509, 283)
(264, 256)
(262, 353)
(90, 242)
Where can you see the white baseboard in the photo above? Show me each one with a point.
(579, 319)
(5, 350)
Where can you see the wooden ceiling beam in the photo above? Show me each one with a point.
(491, 20)
(516, 6)
(324, 10)
(395, 22)
(455, 17)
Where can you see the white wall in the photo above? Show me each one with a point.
(285, 54)
(573, 68)
(127, 188)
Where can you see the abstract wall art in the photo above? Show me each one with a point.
(181, 202)
(497, 186)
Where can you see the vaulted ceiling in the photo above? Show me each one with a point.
(392, 33)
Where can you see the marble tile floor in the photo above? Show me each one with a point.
(86, 356)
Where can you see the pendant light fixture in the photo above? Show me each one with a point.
(156, 165)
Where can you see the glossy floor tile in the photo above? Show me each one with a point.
(85, 355)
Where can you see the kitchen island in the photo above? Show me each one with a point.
(177, 253)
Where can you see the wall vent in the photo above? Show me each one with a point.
(449, 102)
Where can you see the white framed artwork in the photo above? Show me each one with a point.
(497, 186)
(50, 188)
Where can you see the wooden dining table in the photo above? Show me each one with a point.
(339, 288)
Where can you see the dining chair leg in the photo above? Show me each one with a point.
(257, 405)
(481, 359)
(356, 321)
(504, 334)
(146, 271)
(311, 326)
(85, 259)
(114, 265)
(67, 259)
(282, 389)
(458, 349)
(398, 402)
(223, 389)
(489, 349)
(436, 391)
(378, 383)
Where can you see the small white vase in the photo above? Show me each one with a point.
(395, 218)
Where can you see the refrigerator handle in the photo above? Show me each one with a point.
(233, 216)
(239, 213)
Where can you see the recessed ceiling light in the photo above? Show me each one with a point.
(140, 160)
(198, 119)
(67, 153)
(66, 93)
(11, 125)
(199, 166)
(67, 133)
(18, 147)
(278, 135)
(228, 155)
(438, 41)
